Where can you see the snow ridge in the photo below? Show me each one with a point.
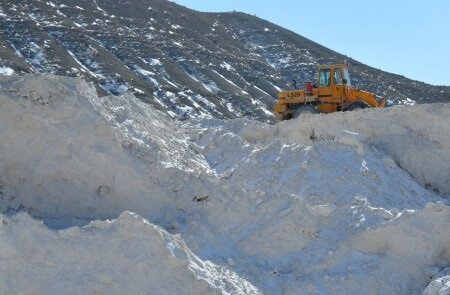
(328, 204)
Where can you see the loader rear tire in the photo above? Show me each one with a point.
(303, 110)
(357, 106)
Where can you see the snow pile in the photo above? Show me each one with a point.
(326, 204)
(417, 138)
(440, 285)
(60, 158)
(127, 255)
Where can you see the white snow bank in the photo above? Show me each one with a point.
(416, 137)
(126, 255)
(310, 206)
(60, 158)
(440, 285)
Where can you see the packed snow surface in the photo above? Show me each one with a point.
(345, 203)
(440, 285)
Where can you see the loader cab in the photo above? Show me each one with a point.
(331, 78)
(333, 81)
(333, 75)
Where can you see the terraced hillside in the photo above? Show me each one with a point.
(186, 63)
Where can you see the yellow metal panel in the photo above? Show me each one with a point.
(279, 108)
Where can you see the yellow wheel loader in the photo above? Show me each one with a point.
(334, 93)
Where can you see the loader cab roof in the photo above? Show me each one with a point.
(333, 66)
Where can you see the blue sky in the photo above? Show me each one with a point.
(411, 38)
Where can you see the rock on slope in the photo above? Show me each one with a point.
(330, 204)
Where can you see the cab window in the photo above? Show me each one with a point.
(337, 76)
(325, 77)
(347, 77)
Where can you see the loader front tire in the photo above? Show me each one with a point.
(303, 110)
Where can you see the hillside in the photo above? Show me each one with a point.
(186, 63)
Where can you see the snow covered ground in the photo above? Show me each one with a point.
(347, 203)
